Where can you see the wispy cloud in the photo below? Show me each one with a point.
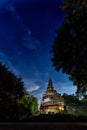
(5, 60)
(35, 83)
(66, 87)
(33, 88)
(30, 85)
(17, 32)
(27, 39)
(31, 43)
(12, 9)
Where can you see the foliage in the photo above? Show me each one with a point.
(70, 45)
(15, 102)
(28, 106)
(75, 106)
(10, 86)
(11, 90)
(34, 105)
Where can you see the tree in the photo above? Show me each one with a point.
(15, 102)
(70, 45)
(10, 85)
(24, 103)
(28, 106)
(34, 105)
(74, 105)
(11, 91)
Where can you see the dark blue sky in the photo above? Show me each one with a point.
(27, 31)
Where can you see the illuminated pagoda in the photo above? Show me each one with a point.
(52, 101)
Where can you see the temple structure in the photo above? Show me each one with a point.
(52, 101)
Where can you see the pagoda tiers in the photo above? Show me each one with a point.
(52, 101)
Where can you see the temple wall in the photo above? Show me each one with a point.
(52, 109)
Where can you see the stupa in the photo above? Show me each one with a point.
(52, 101)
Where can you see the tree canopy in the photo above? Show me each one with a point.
(15, 101)
(70, 45)
(74, 105)
(11, 87)
(28, 106)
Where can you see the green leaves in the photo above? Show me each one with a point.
(28, 106)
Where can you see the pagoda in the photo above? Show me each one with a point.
(52, 101)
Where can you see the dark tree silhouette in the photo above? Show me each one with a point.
(74, 105)
(70, 45)
(15, 101)
(11, 90)
(10, 86)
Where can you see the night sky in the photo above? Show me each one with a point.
(27, 31)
